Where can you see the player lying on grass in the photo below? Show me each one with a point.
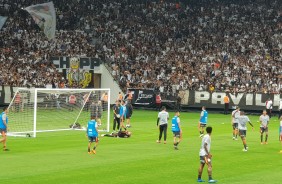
(92, 133)
(242, 126)
(120, 134)
(205, 156)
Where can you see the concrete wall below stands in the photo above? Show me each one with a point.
(107, 81)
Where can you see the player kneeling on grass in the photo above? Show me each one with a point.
(92, 133)
(242, 125)
(264, 121)
(205, 156)
(176, 130)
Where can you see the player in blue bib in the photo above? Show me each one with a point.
(122, 113)
(92, 133)
(203, 121)
(4, 127)
(176, 130)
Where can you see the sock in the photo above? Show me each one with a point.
(176, 143)
(245, 146)
(266, 136)
(233, 135)
(88, 149)
(94, 148)
(200, 132)
(261, 137)
(210, 177)
(199, 177)
(236, 136)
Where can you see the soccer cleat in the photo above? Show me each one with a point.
(164, 142)
(89, 152)
(212, 181)
(245, 150)
(233, 138)
(261, 143)
(236, 139)
(200, 180)
(265, 143)
(176, 148)
(158, 141)
(94, 151)
(201, 135)
(6, 149)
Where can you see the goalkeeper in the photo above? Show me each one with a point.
(92, 133)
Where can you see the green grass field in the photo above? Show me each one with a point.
(61, 157)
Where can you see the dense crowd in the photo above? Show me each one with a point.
(167, 45)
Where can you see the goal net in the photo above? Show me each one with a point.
(44, 110)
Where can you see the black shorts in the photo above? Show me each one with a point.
(3, 130)
(243, 133)
(203, 159)
(92, 139)
(128, 116)
(203, 125)
(235, 126)
(176, 134)
(262, 130)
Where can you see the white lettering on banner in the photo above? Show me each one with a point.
(249, 99)
(276, 100)
(8, 94)
(236, 98)
(217, 97)
(258, 100)
(201, 96)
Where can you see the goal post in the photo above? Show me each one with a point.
(43, 110)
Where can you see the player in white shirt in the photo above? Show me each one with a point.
(162, 121)
(205, 156)
(234, 115)
(242, 126)
(268, 105)
(264, 121)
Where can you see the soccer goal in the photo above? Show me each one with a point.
(44, 110)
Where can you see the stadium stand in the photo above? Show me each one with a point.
(210, 45)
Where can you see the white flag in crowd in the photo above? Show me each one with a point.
(45, 17)
(2, 21)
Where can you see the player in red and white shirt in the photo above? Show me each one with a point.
(72, 101)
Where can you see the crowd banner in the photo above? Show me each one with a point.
(75, 63)
(45, 17)
(246, 101)
(143, 97)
